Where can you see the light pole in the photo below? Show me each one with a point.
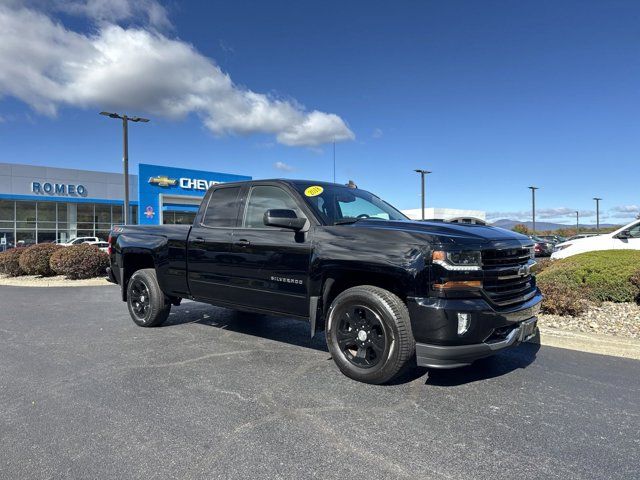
(577, 222)
(533, 207)
(422, 174)
(125, 154)
(597, 213)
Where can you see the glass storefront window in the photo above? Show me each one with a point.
(103, 213)
(6, 210)
(85, 213)
(62, 212)
(117, 214)
(7, 234)
(46, 212)
(25, 214)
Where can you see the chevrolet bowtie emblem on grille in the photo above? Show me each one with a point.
(163, 181)
(524, 270)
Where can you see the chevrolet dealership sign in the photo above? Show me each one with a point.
(184, 183)
(63, 189)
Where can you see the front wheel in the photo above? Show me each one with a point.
(148, 306)
(369, 334)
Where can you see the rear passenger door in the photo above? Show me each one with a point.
(272, 262)
(210, 263)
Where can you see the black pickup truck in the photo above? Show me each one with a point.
(385, 289)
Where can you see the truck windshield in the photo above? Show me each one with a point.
(337, 205)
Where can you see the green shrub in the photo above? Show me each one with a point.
(595, 276)
(35, 259)
(10, 262)
(561, 299)
(79, 261)
(635, 280)
(541, 265)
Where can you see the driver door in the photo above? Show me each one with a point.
(272, 262)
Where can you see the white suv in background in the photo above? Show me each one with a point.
(79, 240)
(625, 238)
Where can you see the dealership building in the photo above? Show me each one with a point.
(44, 204)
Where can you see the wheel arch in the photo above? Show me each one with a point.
(134, 259)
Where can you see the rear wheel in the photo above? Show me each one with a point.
(369, 334)
(148, 306)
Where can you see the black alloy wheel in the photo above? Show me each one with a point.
(361, 336)
(369, 334)
(140, 299)
(148, 305)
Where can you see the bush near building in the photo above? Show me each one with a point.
(10, 262)
(35, 259)
(79, 261)
(605, 276)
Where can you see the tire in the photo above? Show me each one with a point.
(386, 345)
(148, 306)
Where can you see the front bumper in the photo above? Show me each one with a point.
(453, 356)
(434, 324)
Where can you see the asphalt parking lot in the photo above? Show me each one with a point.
(84, 393)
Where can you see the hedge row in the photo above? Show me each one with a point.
(606, 276)
(47, 259)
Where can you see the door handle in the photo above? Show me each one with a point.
(198, 240)
(243, 243)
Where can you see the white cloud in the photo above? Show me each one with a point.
(141, 71)
(283, 166)
(625, 210)
(377, 133)
(542, 214)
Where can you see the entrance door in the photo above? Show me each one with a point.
(272, 262)
(210, 263)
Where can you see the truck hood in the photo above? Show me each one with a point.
(447, 233)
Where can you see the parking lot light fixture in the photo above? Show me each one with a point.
(597, 199)
(422, 175)
(125, 154)
(533, 208)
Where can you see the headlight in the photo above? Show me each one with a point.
(561, 247)
(461, 260)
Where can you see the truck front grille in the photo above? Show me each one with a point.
(507, 280)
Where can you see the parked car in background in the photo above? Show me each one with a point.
(101, 245)
(79, 240)
(625, 238)
(552, 238)
(542, 248)
(581, 235)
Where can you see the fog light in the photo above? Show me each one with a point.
(463, 322)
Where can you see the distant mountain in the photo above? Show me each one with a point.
(544, 226)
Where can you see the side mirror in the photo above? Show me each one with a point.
(624, 234)
(284, 218)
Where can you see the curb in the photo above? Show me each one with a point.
(32, 281)
(589, 342)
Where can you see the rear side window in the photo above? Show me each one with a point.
(222, 209)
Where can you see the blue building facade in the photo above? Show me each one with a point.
(44, 204)
(169, 195)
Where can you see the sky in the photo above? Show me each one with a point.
(491, 96)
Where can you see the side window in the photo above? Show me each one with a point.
(635, 231)
(222, 209)
(263, 198)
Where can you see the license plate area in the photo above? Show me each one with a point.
(528, 329)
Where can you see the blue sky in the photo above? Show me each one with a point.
(491, 96)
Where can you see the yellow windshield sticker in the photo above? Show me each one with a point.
(313, 191)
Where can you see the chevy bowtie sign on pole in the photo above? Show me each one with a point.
(125, 155)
